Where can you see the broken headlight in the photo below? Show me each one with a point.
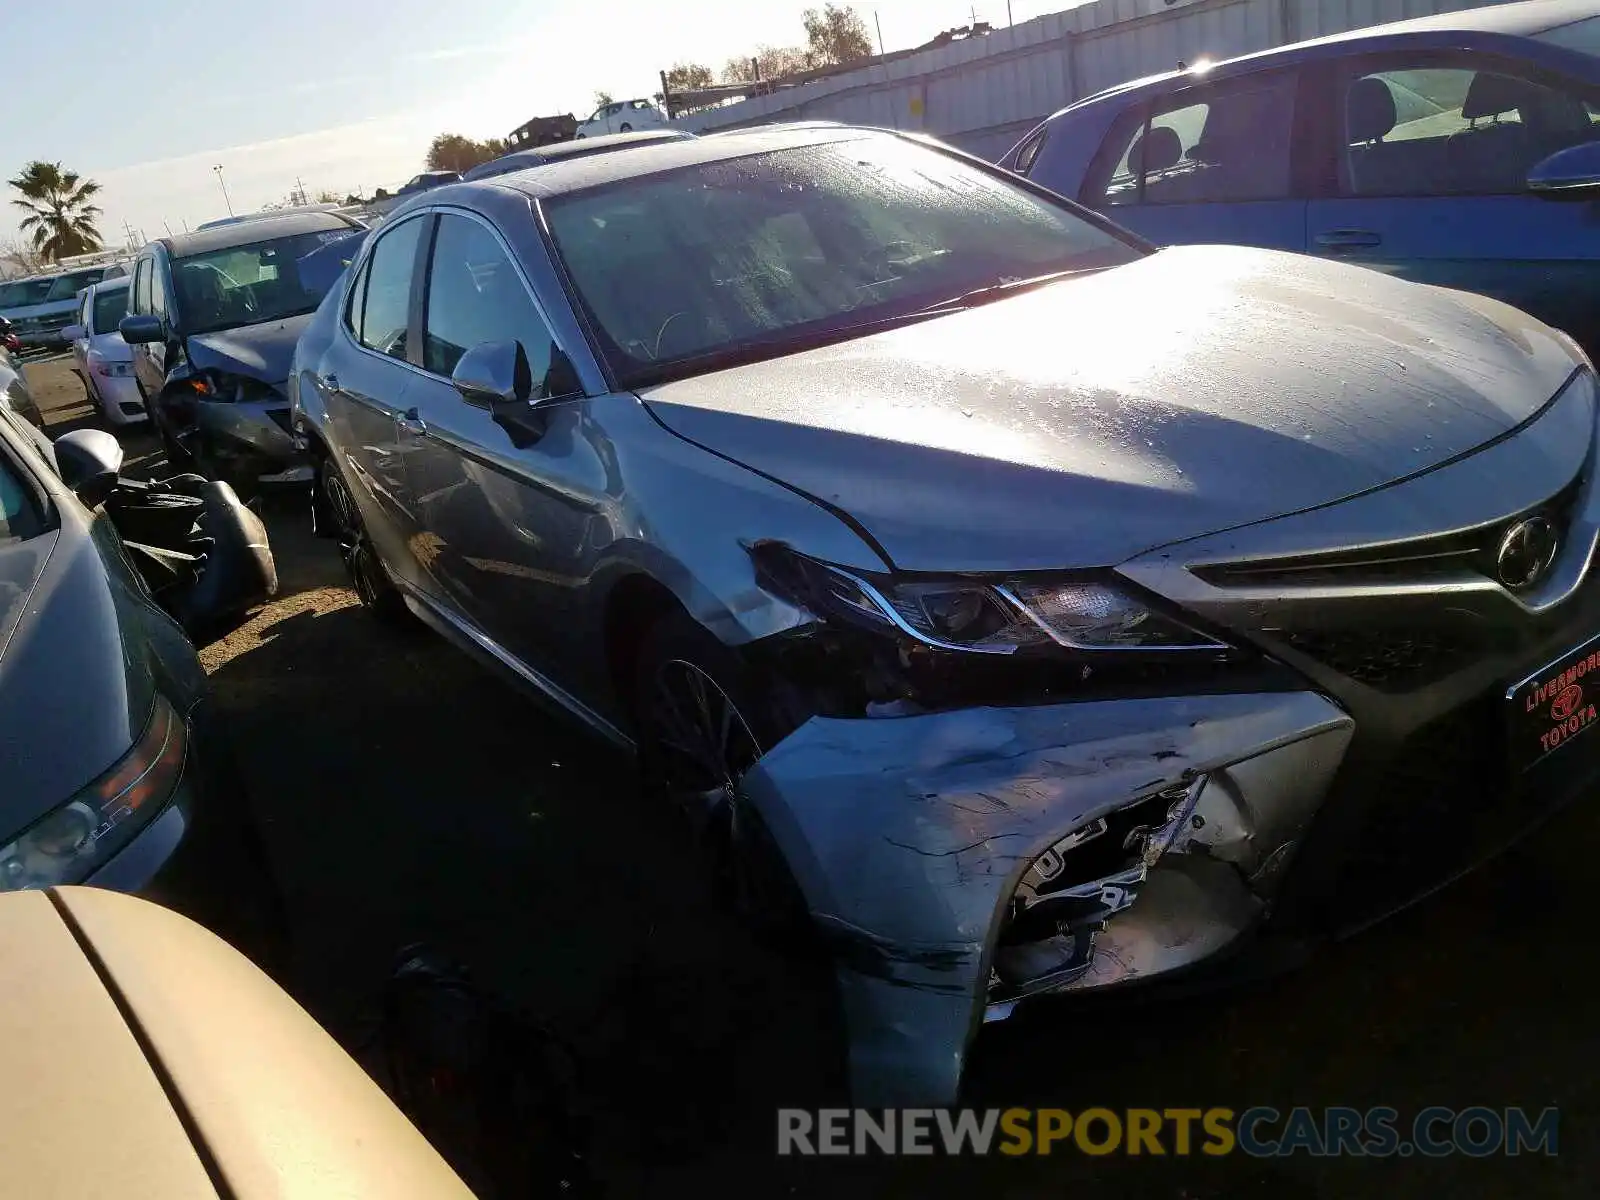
(233, 389)
(979, 616)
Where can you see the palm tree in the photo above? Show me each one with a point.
(60, 219)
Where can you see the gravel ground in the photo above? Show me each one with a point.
(408, 795)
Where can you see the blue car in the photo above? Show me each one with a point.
(1435, 149)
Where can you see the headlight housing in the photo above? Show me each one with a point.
(72, 842)
(109, 370)
(228, 388)
(982, 616)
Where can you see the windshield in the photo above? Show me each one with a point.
(67, 287)
(109, 309)
(24, 292)
(246, 285)
(766, 254)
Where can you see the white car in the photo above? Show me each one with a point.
(624, 116)
(101, 358)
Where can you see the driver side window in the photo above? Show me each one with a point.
(385, 312)
(474, 296)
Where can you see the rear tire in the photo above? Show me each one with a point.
(368, 576)
(697, 712)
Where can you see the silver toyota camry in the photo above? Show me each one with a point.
(1018, 610)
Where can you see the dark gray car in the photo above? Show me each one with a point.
(213, 317)
(1018, 610)
(116, 773)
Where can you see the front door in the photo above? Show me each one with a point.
(507, 517)
(1210, 163)
(1431, 182)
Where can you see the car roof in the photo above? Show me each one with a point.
(248, 233)
(596, 170)
(110, 285)
(1524, 18)
(521, 160)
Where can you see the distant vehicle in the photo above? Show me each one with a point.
(521, 160)
(41, 307)
(101, 358)
(427, 181)
(213, 320)
(624, 116)
(1430, 149)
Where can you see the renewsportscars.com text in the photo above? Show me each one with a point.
(1262, 1132)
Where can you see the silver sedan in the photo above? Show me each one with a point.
(1017, 610)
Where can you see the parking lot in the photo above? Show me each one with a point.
(409, 796)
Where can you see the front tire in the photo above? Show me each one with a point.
(698, 716)
(368, 576)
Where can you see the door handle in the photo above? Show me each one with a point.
(331, 382)
(412, 423)
(1348, 239)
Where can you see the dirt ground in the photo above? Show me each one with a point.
(409, 796)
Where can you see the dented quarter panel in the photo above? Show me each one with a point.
(908, 835)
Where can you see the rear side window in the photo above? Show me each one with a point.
(475, 296)
(1439, 130)
(158, 290)
(1210, 145)
(1030, 152)
(386, 304)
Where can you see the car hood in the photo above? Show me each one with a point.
(73, 698)
(1197, 389)
(259, 351)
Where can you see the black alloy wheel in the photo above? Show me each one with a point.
(368, 576)
(697, 743)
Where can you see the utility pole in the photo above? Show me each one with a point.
(128, 229)
(224, 183)
(879, 24)
(167, 227)
(1009, 21)
(301, 189)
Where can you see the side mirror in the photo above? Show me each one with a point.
(496, 376)
(74, 333)
(494, 373)
(89, 461)
(141, 329)
(1570, 174)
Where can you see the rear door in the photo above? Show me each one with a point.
(1214, 162)
(145, 370)
(366, 378)
(1430, 182)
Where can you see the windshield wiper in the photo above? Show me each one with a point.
(1001, 287)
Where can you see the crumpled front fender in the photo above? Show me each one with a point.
(908, 836)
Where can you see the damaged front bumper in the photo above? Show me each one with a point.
(252, 438)
(961, 862)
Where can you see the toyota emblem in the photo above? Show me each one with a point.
(1526, 552)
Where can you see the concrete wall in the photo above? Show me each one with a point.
(984, 94)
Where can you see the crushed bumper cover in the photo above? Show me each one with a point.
(909, 837)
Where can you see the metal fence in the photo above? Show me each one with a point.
(983, 93)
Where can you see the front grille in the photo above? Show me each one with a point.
(1442, 804)
(1388, 659)
(1419, 560)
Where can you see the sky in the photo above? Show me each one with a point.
(345, 95)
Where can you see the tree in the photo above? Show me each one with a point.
(774, 62)
(686, 77)
(836, 35)
(603, 98)
(60, 220)
(452, 152)
(328, 197)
